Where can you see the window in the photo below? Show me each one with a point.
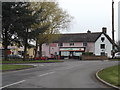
(102, 39)
(65, 53)
(60, 44)
(71, 44)
(102, 46)
(102, 53)
(84, 43)
(47, 44)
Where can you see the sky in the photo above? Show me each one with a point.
(91, 15)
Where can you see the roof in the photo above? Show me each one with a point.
(82, 37)
(79, 37)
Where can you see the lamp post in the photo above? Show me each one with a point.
(113, 47)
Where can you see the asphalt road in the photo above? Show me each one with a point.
(68, 74)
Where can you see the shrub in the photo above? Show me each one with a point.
(87, 53)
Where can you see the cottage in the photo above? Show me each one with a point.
(73, 45)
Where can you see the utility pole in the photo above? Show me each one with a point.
(113, 47)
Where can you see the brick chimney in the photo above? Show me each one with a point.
(88, 31)
(104, 30)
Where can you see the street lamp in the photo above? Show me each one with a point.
(113, 47)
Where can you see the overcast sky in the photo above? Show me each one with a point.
(91, 15)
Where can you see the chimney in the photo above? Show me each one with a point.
(88, 31)
(104, 30)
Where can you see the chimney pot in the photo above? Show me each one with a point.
(104, 30)
(88, 31)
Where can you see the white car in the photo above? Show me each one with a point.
(117, 55)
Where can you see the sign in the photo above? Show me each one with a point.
(71, 49)
(9, 52)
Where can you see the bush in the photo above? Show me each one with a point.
(87, 53)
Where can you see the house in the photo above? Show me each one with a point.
(74, 44)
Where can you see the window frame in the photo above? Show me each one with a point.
(102, 39)
(71, 44)
(102, 46)
(85, 44)
(60, 44)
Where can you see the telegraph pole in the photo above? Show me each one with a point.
(113, 47)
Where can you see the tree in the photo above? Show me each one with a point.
(23, 21)
(57, 20)
(18, 18)
(8, 17)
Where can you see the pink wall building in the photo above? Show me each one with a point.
(73, 45)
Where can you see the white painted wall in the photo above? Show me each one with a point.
(108, 46)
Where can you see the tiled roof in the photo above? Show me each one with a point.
(79, 37)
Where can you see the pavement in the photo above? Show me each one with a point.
(68, 74)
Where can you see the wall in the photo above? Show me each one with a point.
(77, 44)
(90, 47)
(48, 49)
(31, 52)
(108, 46)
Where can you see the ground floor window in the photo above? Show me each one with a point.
(70, 53)
(102, 53)
(65, 53)
(77, 53)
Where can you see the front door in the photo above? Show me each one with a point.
(71, 55)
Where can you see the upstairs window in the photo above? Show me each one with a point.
(47, 44)
(60, 44)
(84, 43)
(71, 44)
(102, 46)
(102, 39)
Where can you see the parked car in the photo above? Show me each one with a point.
(15, 56)
(117, 55)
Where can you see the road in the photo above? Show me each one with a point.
(68, 74)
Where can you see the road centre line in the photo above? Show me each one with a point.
(69, 68)
(24, 80)
(46, 74)
(12, 84)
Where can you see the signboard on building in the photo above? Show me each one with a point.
(72, 49)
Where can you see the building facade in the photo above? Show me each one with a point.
(73, 45)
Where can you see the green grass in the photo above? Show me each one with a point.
(111, 75)
(7, 67)
(34, 61)
(115, 59)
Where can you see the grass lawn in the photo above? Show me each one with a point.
(115, 59)
(7, 67)
(111, 75)
(34, 61)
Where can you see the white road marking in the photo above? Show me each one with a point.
(41, 65)
(12, 84)
(23, 80)
(46, 74)
(69, 68)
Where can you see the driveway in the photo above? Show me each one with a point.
(68, 74)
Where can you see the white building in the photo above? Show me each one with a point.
(74, 44)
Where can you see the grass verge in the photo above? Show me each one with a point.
(114, 59)
(35, 61)
(7, 67)
(111, 75)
